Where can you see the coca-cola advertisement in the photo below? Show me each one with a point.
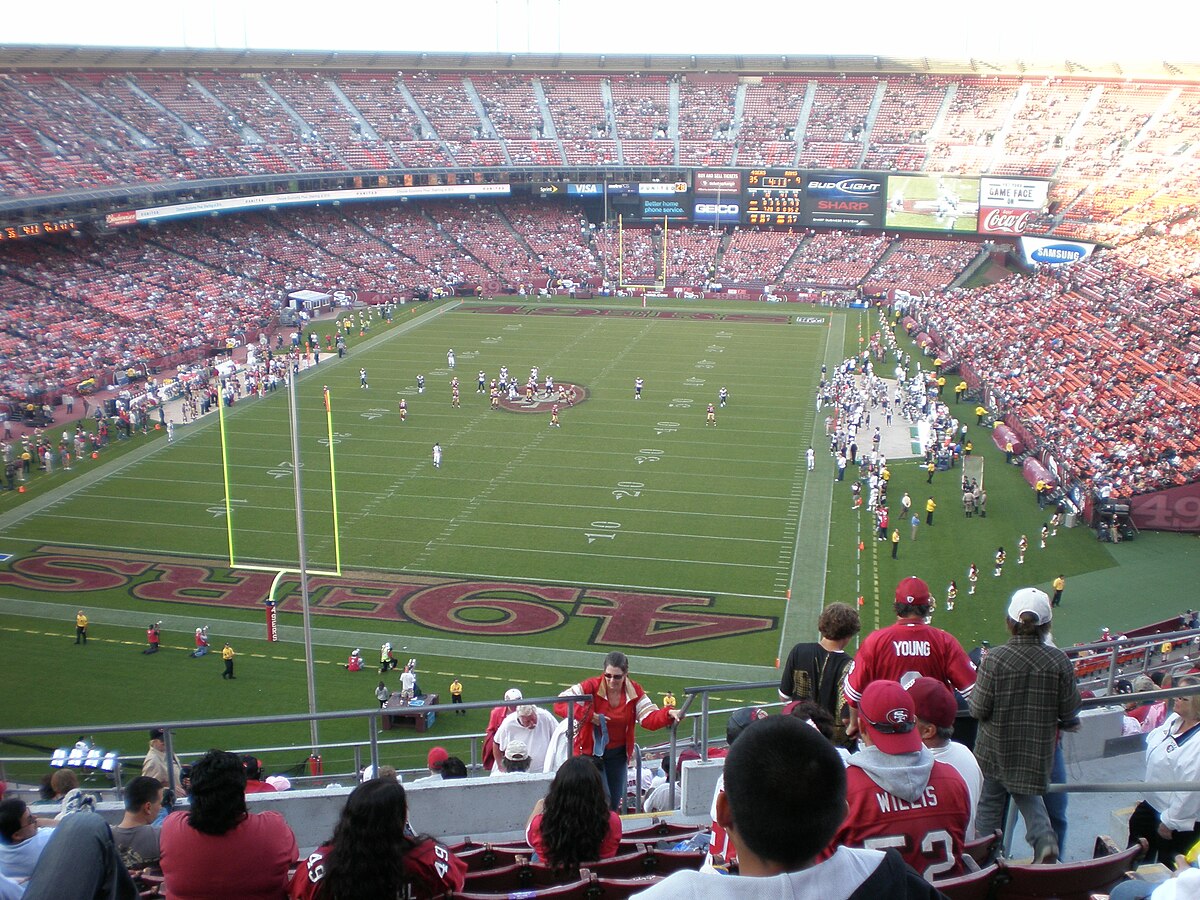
(1008, 205)
(1004, 221)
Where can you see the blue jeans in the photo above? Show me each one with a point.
(614, 766)
(990, 814)
(1132, 890)
(1056, 804)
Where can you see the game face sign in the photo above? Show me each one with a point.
(1008, 205)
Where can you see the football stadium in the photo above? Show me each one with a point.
(412, 389)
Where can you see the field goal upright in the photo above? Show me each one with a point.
(659, 284)
(299, 569)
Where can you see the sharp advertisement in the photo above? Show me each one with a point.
(843, 200)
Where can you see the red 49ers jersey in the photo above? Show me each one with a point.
(928, 832)
(909, 648)
(432, 869)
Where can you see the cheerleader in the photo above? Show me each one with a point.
(951, 595)
(973, 577)
(1000, 558)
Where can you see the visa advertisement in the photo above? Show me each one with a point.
(843, 200)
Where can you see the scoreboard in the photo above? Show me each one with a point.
(773, 196)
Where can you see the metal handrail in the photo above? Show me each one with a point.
(371, 714)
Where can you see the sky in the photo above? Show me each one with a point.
(1039, 30)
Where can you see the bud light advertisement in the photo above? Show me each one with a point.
(843, 200)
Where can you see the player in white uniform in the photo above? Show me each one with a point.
(637, 389)
(437, 456)
(450, 359)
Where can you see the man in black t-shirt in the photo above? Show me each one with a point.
(817, 671)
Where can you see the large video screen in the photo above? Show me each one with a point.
(932, 203)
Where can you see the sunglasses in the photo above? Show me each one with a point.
(890, 727)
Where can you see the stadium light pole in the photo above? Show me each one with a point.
(302, 550)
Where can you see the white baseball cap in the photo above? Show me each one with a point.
(1030, 600)
(513, 694)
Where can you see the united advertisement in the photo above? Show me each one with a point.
(843, 200)
(1007, 206)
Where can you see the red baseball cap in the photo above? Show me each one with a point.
(912, 591)
(933, 702)
(886, 712)
(437, 756)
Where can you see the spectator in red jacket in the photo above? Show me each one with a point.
(605, 727)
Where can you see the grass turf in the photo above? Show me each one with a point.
(567, 535)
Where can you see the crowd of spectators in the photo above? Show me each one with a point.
(915, 264)
(897, 793)
(1115, 149)
(1098, 360)
(835, 259)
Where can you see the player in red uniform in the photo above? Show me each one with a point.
(454, 401)
(907, 650)
(403, 410)
(898, 795)
(711, 416)
(554, 423)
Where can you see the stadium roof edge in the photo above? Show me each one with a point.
(51, 56)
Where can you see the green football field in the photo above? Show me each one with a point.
(704, 551)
